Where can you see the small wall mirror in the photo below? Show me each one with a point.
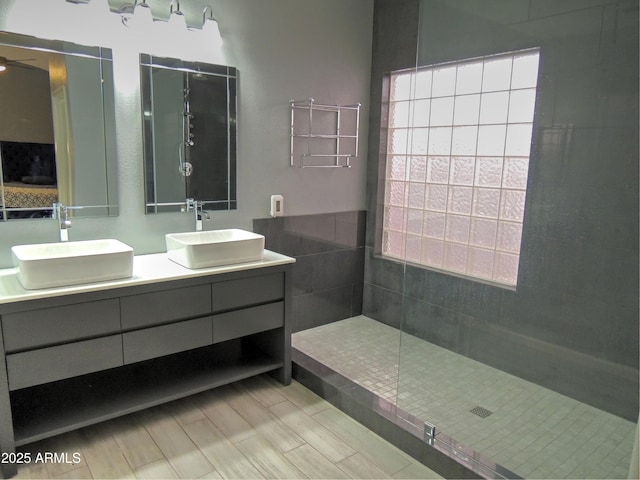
(189, 116)
(57, 129)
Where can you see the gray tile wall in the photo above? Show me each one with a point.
(329, 268)
(572, 323)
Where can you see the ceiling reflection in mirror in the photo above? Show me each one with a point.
(189, 116)
(57, 129)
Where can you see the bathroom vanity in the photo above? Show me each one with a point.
(74, 356)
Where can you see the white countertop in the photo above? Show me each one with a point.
(152, 268)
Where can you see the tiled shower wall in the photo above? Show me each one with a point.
(328, 273)
(572, 323)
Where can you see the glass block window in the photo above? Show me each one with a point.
(459, 137)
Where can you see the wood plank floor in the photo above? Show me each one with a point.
(256, 428)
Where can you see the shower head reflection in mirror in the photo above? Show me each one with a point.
(189, 115)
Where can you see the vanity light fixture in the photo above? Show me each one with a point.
(140, 14)
(210, 25)
(177, 19)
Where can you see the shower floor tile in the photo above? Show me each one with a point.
(532, 431)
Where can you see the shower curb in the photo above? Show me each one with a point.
(441, 454)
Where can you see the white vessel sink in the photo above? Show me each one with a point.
(214, 247)
(48, 265)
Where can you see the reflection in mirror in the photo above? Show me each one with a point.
(189, 115)
(57, 128)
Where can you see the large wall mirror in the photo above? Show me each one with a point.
(57, 129)
(189, 116)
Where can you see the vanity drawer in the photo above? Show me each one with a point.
(247, 321)
(63, 361)
(248, 291)
(166, 339)
(50, 326)
(168, 305)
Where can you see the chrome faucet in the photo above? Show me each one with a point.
(61, 213)
(196, 206)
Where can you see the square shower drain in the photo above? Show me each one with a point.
(481, 412)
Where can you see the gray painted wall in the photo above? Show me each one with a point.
(284, 49)
(572, 323)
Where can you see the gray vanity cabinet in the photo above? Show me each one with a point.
(74, 360)
(48, 344)
(265, 294)
(163, 340)
(163, 306)
(35, 367)
(42, 327)
(238, 323)
(155, 324)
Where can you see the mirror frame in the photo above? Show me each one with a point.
(149, 62)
